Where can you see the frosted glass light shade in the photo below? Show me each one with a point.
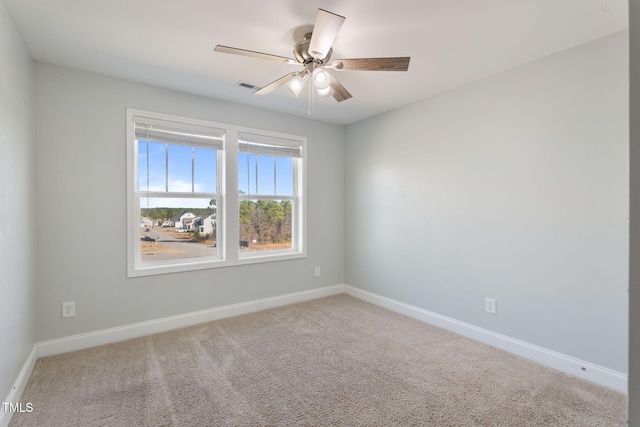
(321, 79)
(296, 84)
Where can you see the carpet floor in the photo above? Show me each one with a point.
(334, 361)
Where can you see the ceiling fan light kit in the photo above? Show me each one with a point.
(321, 79)
(325, 92)
(296, 84)
(313, 52)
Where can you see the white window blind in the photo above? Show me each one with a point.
(168, 132)
(263, 145)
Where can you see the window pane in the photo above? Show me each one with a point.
(284, 176)
(275, 175)
(243, 179)
(205, 170)
(247, 173)
(142, 165)
(266, 175)
(180, 168)
(152, 174)
(177, 228)
(265, 225)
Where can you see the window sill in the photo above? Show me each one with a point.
(149, 269)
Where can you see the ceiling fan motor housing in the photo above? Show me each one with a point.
(301, 51)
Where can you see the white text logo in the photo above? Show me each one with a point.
(17, 407)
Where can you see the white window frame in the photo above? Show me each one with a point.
(227, 203)
(296, 211)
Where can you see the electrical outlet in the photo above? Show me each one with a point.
(317, 272)
(68, 309)
(491, 306)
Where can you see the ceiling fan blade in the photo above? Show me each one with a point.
(324, 33)
(371, 64)
(251, 53)
(276, 84)
(339, 92)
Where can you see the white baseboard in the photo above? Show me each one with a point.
(107, 336)
(588, 371)
(18, 387)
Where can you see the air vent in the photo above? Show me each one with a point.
(247, 85)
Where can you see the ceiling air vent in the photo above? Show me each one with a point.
(247, 85)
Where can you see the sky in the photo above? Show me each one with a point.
(274, 174)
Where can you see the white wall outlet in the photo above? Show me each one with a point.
(317, 271)
(491, 306)
(68, 309)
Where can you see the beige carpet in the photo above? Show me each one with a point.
(333, 361)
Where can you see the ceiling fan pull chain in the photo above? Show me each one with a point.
(310, 111)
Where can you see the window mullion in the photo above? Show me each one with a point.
(231, 229)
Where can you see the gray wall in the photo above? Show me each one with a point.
(515, 188)
(80, 122)
(17, 204)
(634, 249)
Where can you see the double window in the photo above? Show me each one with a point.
(203, 195)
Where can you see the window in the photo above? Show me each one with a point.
(266, 182)
(204, 195)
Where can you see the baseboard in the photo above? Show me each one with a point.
(107, 336)
(18, 387)
(588, 371)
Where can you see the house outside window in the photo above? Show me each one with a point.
(206, 195)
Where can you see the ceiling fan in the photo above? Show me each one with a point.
(314, 53)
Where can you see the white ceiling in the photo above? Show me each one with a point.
(170, 43)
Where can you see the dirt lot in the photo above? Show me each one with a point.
(267, 247)
(157, 248)
(149, 248)
(186, 237)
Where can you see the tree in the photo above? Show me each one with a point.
(275, 216)
(245, 219)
